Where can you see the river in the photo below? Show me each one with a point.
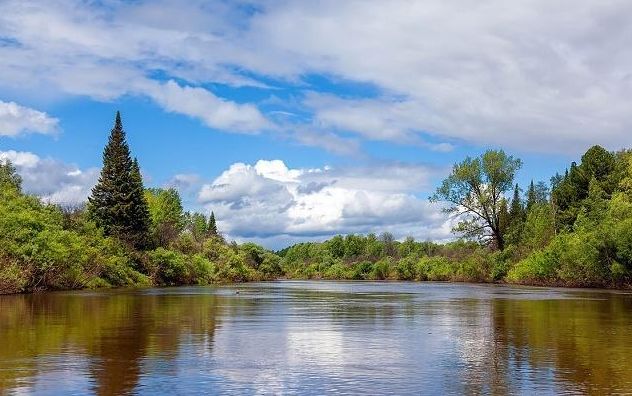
(315, 338)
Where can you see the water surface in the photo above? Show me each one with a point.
(318, 338)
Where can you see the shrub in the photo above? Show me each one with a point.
(381, 269)
(202, 270)
(172, 266)
(362, 270)
(406, 269)
(538, 268)
(436, 268)
(337, 270)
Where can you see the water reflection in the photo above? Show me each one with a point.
(318, 337)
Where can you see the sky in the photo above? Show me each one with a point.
(299, 120)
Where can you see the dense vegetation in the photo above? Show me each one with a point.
(126, 236)
(577, 231)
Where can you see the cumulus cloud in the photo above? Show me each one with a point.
(486, 73)
(16, 120)
(269, 201)
(53, 181)
(83, 49)
(200, 103)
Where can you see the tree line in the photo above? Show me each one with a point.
(126, 235)
(575, 230)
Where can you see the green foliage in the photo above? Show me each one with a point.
(474, 190)
(196, 224)
(599, 168)
(37, 253)
(539, 227)
(381, 269)
(537, 269)
(173, 267)
(437, 268)
(338, 271)
(582, 236)
(166, 213)
(406, 268)
(212, 226)
(117, 204)
(9, 178)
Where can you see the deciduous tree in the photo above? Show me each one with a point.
(474, 191)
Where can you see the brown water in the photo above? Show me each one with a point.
(318, 338)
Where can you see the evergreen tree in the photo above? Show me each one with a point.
(516, 217)
(516, 212)
(531, 196)
(212, 226)
(541, 192)
(117, 203)
(140, 220)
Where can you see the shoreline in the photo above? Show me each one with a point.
(625, 288)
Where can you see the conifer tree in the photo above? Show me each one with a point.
(516, 210)
(140, 220)
(531, 196)
(117, 203)
(212, 226)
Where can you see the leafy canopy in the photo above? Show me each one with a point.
(474, 192)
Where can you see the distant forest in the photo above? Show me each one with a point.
(575, 230)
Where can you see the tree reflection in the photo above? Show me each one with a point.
(585, 342)
(116, 331)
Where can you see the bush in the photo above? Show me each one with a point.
(172, 266)
(539, 268)
(381, 270)
(337, 270)
(270, 267)
(406, 269)
(38, 253)
(202, 270)
(362, 270)
(436, 268)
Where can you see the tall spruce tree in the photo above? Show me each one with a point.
(532, 197)
(117, 203)
(140, 220)
(212, 226)
(516, 211)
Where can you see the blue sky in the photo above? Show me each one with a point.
(298, 120)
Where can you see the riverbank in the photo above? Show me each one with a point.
(578, 234)
(43, 247)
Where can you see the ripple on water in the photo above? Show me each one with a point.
(302, 337)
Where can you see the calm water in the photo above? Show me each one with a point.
(318, 338)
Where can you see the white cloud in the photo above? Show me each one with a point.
(16, 120)
(79, 49)
(270, 202)
(53, 181)
(512, 75)
(204, 105)
(489, 73)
